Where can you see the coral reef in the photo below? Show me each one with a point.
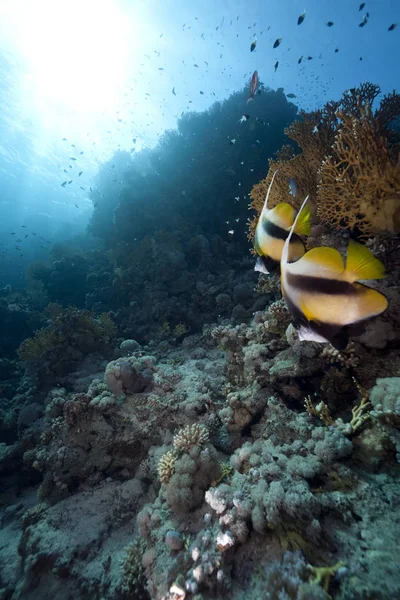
(359, 181)
(348, 164)
(206, 453)
(205, 475)
(71, 334)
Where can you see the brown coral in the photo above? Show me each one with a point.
(75, 409)
(348, 165)
(360, 180)
(301, 167)
(348, 357)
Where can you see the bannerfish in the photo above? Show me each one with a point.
(253, 86)
(324, 296)
(272, 230)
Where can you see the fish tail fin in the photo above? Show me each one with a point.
(249, 99)
(303, 225)
(362, 264)
(264, 208)
(371, 302)
(285, 251)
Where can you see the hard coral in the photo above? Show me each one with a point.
(125, 376)
(385, 399)
(75, 408)
(166, 466)
(190, 436)
(194, 472)
(71, 334)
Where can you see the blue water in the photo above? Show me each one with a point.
(91, 78)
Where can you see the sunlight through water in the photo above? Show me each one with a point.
(76, 54)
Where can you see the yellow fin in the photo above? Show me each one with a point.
(362, 264)
(372, 302)
(303, 225)
(296, 249)
(306, 311)
(284, 214)
(326, 257)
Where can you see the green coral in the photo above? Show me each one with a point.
(133, 576)
(179, 330)
(44, 340)
(70, 326)
(108, 325)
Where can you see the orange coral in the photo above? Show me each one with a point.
(360, 181)
(349, 166)
(303, 168)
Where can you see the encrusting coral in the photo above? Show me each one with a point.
(348, 165)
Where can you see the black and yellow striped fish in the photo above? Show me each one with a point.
(324, 296)
(272, 230)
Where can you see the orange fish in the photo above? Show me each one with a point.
(253, 85)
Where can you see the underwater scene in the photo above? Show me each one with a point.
(199, 300)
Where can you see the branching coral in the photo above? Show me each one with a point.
(301, 167)
(71, 334)
(166, 466)
(44, 340)
(133, 576)
(360, 414)
(360, 180)
(191, 435)
(348, 357)
(189, 469)
(349, 164)
(322, 575)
